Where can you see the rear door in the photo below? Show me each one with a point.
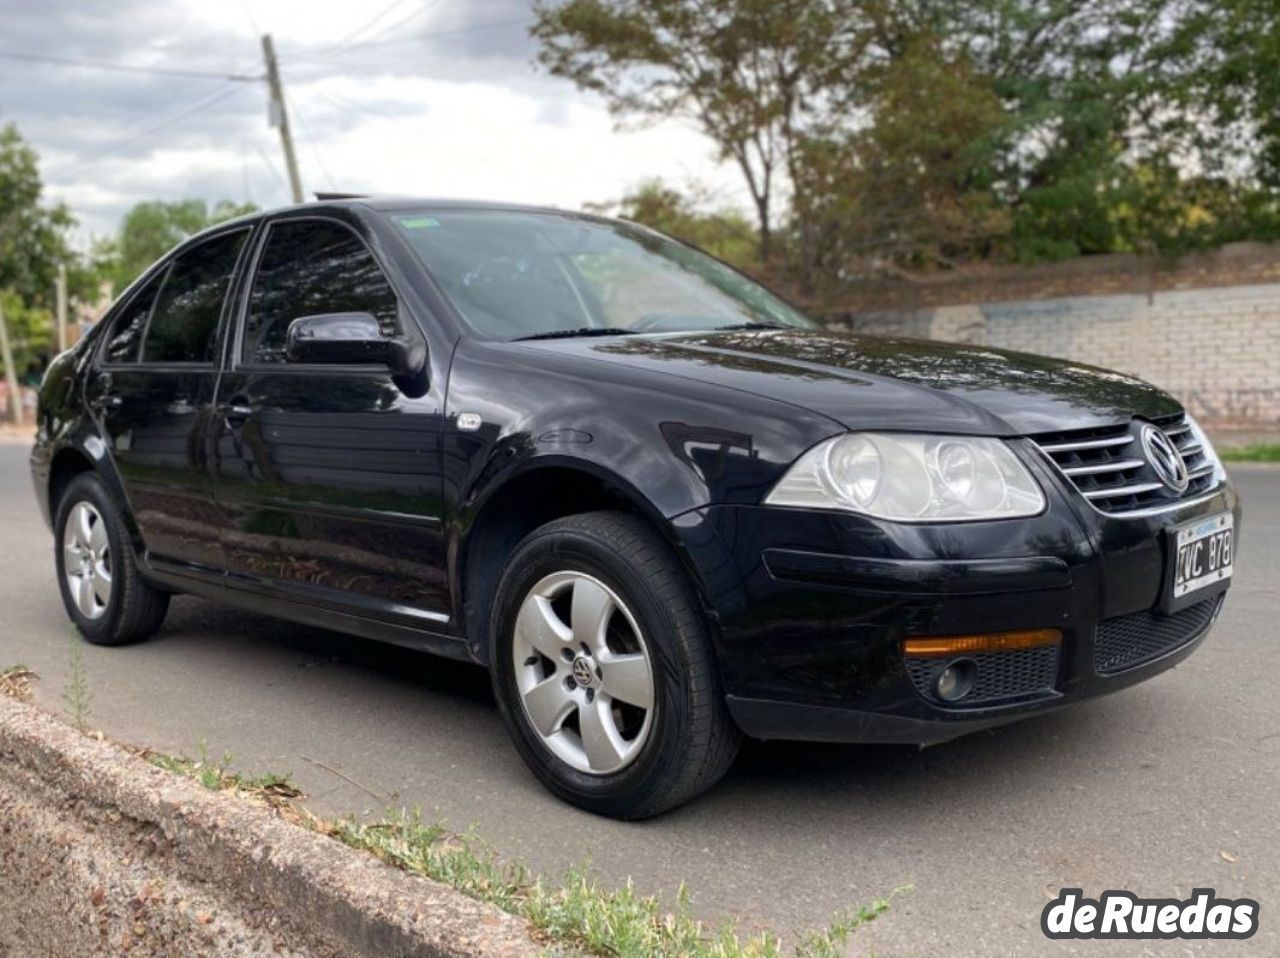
(329, 476)
(153, 390)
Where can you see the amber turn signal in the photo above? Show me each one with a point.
(929, 647)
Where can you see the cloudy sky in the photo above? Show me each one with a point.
(428, 97)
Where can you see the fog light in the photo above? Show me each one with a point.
(956, 680)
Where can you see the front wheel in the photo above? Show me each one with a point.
(602, 668)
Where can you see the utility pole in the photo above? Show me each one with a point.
(280, 116)
(60, 290)
(11, 371)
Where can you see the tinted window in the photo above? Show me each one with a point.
(311, 267)
(126, 334)
(185, 322)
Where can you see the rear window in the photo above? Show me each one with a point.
(184, 324)
(125, 343)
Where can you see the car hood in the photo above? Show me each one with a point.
(872, 382)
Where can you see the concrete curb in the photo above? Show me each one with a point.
(101, 852)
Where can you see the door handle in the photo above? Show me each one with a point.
(236, 413)
(100, 396)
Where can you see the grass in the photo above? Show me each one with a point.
(1258, 452)
(15, 682)
(276, 791)
(573, 917)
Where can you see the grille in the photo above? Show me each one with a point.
(1001, 676)
(1127, 641)
(1109, 468)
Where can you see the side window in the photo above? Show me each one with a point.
(310, 267)
(184, 324)
(125, 343)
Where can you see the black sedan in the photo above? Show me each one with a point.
(659, 504)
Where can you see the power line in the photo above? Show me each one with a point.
(322, 56)
(347, 38)
(392, 27)
(204, 102)
(284, 187)
(311, 143)
(127, 67)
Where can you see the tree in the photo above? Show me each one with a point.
(927, 133)
(31, 336)
(749, 73)
(913, 187)
(1218, 63)
(33, 233)
(724, 233)
(152, 228)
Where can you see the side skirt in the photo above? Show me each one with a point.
(252, 596)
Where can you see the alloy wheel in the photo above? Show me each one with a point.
(583, 673)
(86, 560)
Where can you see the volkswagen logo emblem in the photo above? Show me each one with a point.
(1164, 457)
(582, 673)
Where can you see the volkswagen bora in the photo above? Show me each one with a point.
(661, 506)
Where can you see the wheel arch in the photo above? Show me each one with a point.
(88, 455)
(541, 491)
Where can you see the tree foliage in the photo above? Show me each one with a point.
(888, 134)
(750, 73)
(914, 186)
(725, 233)
(31, 336)
(33, 232)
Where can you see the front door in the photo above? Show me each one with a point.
(154, 389)
(329, 476)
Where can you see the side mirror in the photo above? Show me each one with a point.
(352, 339)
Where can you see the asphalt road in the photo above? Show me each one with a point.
(1158, 789)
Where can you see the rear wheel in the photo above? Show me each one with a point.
(603, 669)
(103, 593)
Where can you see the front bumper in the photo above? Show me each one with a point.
(811, 610)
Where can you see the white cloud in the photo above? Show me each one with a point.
(436, 98)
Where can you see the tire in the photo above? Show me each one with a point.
(117, 606)
(641, 762)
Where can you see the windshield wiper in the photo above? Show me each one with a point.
(581, 331)
(719, 329)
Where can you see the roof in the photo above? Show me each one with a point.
(400, 202)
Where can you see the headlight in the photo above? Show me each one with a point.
(910, 478)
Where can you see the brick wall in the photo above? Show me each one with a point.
(1215, 345)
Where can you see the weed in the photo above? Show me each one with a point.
(274, 790)
(76, 695)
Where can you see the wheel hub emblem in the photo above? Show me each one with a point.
(582, 672)
(1165, 459)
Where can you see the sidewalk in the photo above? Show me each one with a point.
(17, 435)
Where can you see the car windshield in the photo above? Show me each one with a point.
(516, 275)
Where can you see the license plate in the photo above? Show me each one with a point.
(1202, 555)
